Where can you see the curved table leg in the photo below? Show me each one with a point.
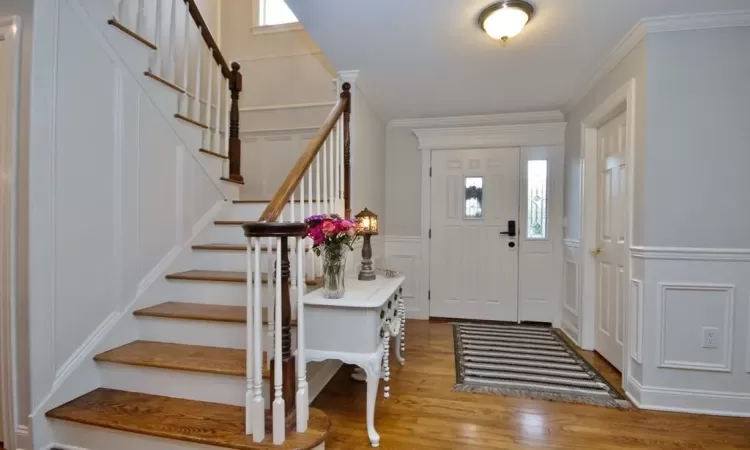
(372, 393)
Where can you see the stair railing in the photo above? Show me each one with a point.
(320, 180)
(209, 89)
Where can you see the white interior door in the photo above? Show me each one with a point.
(611, 255)
(473, 266)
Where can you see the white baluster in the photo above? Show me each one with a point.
(207, 133)
(183, 109)
(318, 194)
(310, 212)
(198, 70)
(302, 399)
(324, 151)
(386, 358)
(172, 42)
(341, 158)
(227, 104)
(269, 303)
(140, 18)
(216, 140)
(156, 58)
(119, 8)
(292, 242)
(278, 407)
(337, 185)
(249, 354)
(259, 405)
(332, 172)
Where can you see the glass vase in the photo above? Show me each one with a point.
(334, 268)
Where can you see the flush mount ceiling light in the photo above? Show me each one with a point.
(503, 20)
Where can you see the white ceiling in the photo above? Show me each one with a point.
(428, 58)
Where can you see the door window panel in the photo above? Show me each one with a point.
(473, 197)
(536, 211)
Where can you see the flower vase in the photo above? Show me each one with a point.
(334, 268)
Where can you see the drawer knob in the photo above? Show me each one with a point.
(382, 314)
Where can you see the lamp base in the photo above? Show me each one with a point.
(366, 275)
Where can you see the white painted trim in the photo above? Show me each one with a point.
(727, 327)
(10, 33)
(280, 131)
(479, 120)
(569, 329)
(424, 254)
(286, 106)
(402, 239)
(636, 320)
(624, 96)
(566, 307)
(281, 56)
(519, 135)
(691, 253)
(280, 28)
(657, 25)
(695, 401)
(572, 243)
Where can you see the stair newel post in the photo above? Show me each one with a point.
(235, 145)
(347, 149)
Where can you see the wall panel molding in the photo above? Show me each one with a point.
(636, 320)
(479, 120)
(727, 334)
(571, 266)
(691, 253)
(402, 253)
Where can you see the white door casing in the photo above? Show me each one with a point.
(610, 251)
(474, 270)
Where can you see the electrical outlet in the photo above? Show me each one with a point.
(711, 337)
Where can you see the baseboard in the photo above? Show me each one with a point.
(322, 377)
(692, 401)
(570, 331)
(23, 438)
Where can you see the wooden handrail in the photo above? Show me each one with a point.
(208, 37)
(290, 184)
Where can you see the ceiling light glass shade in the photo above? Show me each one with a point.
(506, 19)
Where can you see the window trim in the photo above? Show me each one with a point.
(269, 29)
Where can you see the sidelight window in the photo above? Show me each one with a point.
(536, 210)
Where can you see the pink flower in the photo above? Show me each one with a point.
(345, 225)
(328, 228)
(351, 232)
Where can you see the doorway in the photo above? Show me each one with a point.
(607, 186)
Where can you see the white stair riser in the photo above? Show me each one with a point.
(213, 165)
(227, 234)
(252, 211)
(199, 332)
(205, 387)
(236, 260)
(214, 293)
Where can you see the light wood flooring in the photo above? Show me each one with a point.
(423, 412)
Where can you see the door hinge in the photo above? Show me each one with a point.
(429, 295)
(430, 234)
(430, 171)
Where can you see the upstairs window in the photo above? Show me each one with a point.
(275, 12)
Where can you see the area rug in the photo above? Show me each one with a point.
(527, 361)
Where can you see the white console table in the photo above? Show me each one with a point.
(356, 330)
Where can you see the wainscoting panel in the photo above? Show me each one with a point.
(686, 309)
(402, 253)
(636, 320)
(570, 322)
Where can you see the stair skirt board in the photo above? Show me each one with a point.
(87, 437)
(199, 332)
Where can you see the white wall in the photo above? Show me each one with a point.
(116, 185)
(287, 93)
(690, 254)
(403, 187)
(23, 9)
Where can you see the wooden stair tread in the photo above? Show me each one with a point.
(231, 247)
(191, 358)
(222, 276)
(166, 83)
(200, 311)
(239, 202)
(212, 153)
(231, 180)
(191, 121)
(185, 420)
(115, 23)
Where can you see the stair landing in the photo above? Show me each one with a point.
(186, 420)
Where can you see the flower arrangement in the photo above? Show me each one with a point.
(332, 236)
(331, 231)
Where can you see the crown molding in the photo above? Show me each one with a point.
(479, 120)
(661, 24)
(491, 136)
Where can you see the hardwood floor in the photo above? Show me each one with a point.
(423, 412)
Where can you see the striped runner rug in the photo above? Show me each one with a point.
(527, 361)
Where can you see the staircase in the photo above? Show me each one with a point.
(217, 359)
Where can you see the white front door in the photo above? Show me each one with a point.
(611, 255)
(473, 265)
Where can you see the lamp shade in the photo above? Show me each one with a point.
(368, 222)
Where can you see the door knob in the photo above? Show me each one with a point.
(595, 251)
